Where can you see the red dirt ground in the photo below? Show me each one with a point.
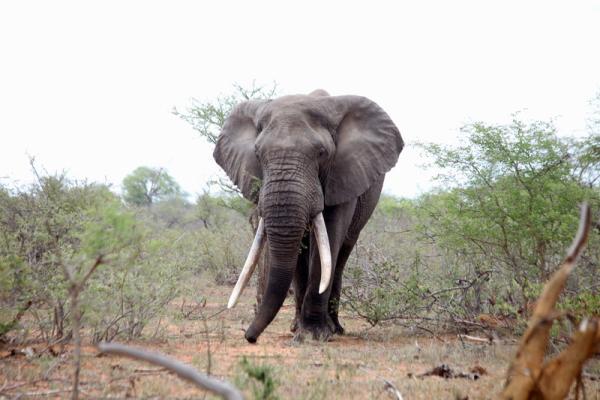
(351, 366)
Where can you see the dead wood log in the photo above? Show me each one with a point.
(529, 376)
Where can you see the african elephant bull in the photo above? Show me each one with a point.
(308, 161)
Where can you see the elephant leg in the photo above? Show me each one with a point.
(300, 280)
(336, 288)
(365, 206)
(314, 312)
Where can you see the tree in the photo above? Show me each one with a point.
(588, 149)
(208, 117)
(512, 201)
(594, 118)
(144, 186)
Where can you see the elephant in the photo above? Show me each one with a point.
(314, 165)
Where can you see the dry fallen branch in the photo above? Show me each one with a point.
(477, 339)
(221, 388)
(389, 386)
(42, 394)
(529, 377)
(444, 371)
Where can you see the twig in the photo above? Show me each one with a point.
(216, 313)
(221, 388)
(29, 383)
(581, 237)
(208, 350)
(432, 333)
(148, 371)
(6, 388)
(52, 366)
(22, 310)
(99, 260)
(476, 339)
(389, 386)
(466, 322)
(46, 393)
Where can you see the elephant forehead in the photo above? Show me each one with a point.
(293, 107)
(288, 137)
(290, 100)
(297, 121)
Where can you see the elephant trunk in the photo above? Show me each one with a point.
(287, 203)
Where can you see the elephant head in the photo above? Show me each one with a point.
(293, 156)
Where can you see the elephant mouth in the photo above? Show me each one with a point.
(258, 244)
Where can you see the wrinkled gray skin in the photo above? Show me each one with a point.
(296, 156)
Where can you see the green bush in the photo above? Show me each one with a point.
(57, 223)
(41, 225)
(386, 292)
(582, 305)
(512, 202)
(127, 296)
(487, 239)
(259, 379)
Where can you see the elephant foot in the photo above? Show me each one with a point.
(334, 324)
(294, 325)
(320, 333)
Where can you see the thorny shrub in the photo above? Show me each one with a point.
(474, 254)
(258, 379)
(56, 221)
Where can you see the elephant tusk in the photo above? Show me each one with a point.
(324, 251)
(250, 264)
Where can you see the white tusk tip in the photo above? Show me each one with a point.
(233, 299)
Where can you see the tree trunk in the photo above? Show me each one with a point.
(59, 318)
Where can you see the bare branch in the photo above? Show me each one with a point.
(41, 394)
(528, 374)
(99, 260)
(581, 237)
(477, 339)
(221, 388)
(559, 373)
(389, 386)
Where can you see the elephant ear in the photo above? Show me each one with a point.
(234, 151)
(367, 146)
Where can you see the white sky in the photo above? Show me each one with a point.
(88, 87)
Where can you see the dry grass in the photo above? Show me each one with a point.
(353, 366)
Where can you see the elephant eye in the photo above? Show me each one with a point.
(259, 128)
(322, 151)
